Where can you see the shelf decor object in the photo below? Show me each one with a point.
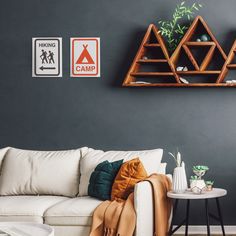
(151, 65)
(229, 65)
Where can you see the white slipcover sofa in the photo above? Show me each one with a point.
(50, 187)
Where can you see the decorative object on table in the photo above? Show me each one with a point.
(200, 170)
(229, 65)
(152, 51)
(179, 176)
(172, 29)
(205, 38)
(198, 40)
(209, 185)
(197, 184)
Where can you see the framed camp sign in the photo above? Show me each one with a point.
(85, 57)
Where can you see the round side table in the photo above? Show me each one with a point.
(216, 193)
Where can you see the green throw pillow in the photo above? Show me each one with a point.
(102, 178)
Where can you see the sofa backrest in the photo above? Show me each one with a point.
(39, 172)
(151, 160)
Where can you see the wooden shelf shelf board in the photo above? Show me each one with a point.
(151, 74)
(181, 85)
(206, 72)
(152, 61)
(210, 43)
(232, 66)
(152, 45)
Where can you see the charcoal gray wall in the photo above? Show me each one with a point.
(67, 113)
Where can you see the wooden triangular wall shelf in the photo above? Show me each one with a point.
(211, 68)
(152, 62)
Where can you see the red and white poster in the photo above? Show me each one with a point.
(85, 57)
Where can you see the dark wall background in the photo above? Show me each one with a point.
(63, 113)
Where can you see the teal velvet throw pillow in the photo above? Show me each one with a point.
(102, 178)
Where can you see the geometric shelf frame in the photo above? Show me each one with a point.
(228, 64)
(189, 41)
(152, 41)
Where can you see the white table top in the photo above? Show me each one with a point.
(26, 229)
(215, 193)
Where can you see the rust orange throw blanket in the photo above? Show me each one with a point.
(117, 218)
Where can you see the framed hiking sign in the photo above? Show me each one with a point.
(85, 57)
(47, 57)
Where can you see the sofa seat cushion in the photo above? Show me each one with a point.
(26, 208)
(74, 211)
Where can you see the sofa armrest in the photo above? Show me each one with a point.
(143, 204)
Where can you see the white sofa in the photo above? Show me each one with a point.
(51, 187)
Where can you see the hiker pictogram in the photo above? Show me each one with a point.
(51, 57)
(43, 57)
(85, 57)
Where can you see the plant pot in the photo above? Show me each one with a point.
(209, 187)
(197, 186)
(179, 180)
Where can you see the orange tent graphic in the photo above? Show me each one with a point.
(85, 57)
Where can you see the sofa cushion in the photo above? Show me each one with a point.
(151, 160)
(102, 178)
(40, 172)
(75, 211)
(26, 208)
(162, 168)
(129, 174)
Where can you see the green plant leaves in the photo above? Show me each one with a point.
(171, 29)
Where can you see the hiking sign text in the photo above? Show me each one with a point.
(85, 57)
(47, 57)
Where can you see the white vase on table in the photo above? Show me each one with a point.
(180, 184)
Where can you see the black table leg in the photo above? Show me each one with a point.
(187, 217)
(173, 216)
(220, 215)
(207, 217)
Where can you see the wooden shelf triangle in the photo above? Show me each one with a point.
(229, 65)
(189, 42)
(152, 41)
